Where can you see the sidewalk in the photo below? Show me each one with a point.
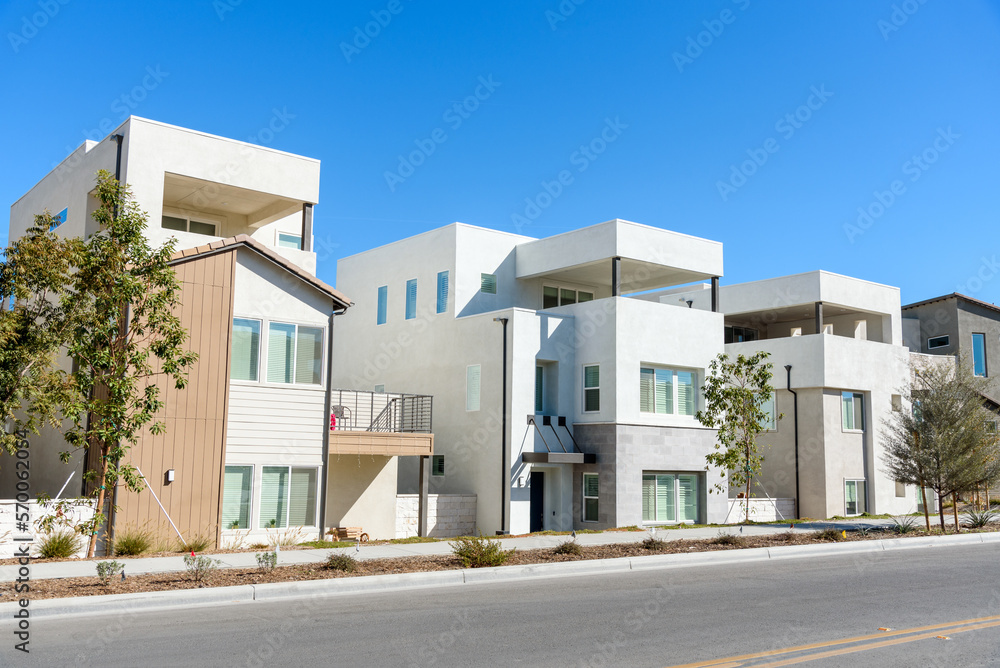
(139, 565)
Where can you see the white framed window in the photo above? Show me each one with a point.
(411, 299)
(938, 342)
(245, 354)
(288, 240)
(237, 490)
(979, 355)
(437, 466)
(591, 388)
(852, 411)
(184, 223)
(670, 497)
(591, 488)
(473, 374)
(854, 497)
(383, 298)
(294, 354)
(900, 490)
(770, 408)
(668, 391)
(553, 296)
(442, 291)
(488, 284)
(287, 497)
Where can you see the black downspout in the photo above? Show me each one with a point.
(112, 515)
(795, 411)
(326, 431)
(118, 166)
(503, 433)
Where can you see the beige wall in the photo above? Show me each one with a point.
(361, 492)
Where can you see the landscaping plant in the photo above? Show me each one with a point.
(342, 562)
(59, 545)
(570, 547)
(266, 561)
(977, 520)
(480, 551)
(107, 570)
(132, 542)
(199, 567)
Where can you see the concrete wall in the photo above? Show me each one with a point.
(761, 510)
(448, 515)
(362, 492)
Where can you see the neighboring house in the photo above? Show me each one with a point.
(247, 447)
(842, 339)
(559, 401)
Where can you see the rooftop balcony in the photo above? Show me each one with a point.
(380, 423)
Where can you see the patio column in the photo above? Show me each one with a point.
(307, 226)
(715, 294)
(616, 277)
(819, 317)
(425, 471)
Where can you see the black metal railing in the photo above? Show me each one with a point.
(357, 410)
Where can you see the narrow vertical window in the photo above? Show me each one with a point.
(442, 292)
(853, 411)
(437, 466)
(979, 355)
(280, 352)
(770, 422)
(411, 299)
(591, 388)
(302, 497)
(472, 377)
(236, 486)
(854, 497)
(591, 489)
(539, 379)
(274, 497)
(309, 355)
(383, 296)
(245, 354)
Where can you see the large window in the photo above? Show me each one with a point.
(669, 497)
(287, 497)
(472, 382)
(185, 224)
(591, 388)
(236, 488)
(854, 497)
(286, 240)
(553, 296)
(853, 411)
(590, 492)
(442, 292)
(294, 354)
(668, 391)
(411, 299)
(740, 334)
(979, 355)
(245, 356)
(383, 296)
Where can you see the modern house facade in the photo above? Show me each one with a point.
(559, 401)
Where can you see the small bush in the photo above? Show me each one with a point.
(904, 525)
(480, 551)
(199, 567)
(787, 536)
(977, 520)
(829, 534)
(728, 539)
(132, 542)
(570, 547)
(107, 570)
(266, 561)
(59, 545)
(342, 562)
(287, 538)
(654, 544)
(198, 543)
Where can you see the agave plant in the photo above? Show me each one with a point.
(905, 524)
(977, 520)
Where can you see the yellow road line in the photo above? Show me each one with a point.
(731, 661)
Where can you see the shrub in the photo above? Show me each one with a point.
(787, 536)
(728, 539)
(199, 567)
(198, 543)
(132, 542)
(266, 561)
(977, 520)
(107, 570)
(904, 525)
(570, 547)
(342, 562)
(480, 551)
(830, 534)
(286, 538)
(654, 544)
(59, 545)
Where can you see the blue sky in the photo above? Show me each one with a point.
(763, 126)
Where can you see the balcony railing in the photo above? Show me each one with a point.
(355, 410)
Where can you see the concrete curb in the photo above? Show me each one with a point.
(131, 603)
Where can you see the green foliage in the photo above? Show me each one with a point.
(654, 544)
(266, 561)
(904, 525)
(59, 545)
(198, 543)
(978, 519)
(570, 547)
(198, 567)
(317, 544)
(735, 394)
(480, 551)
(341, 562)
(413, 539)
(107, 570)
(132, 542)
(724, 538)
(829, 534)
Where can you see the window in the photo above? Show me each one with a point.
(245, 355)
(554, 296)
(488, 283)
(58, 219)
(383, 296)
(287, 497)
(437, 465)
(185, 224)
(897, 403)
(590, 491)
(900, 490)
(236, 488)
(411, 299)
(380, 389)
(472, 376)
(442, 295)
(740, 334)
(938, 342)
(294, 354)
(979, 355)
(853, 411)
(669, 497)
(591, 388)
(286, 240)
(991, 426)
(539, 378)
(770, 409)
(854, 497)
(668, 391)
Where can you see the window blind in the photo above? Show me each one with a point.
(280, 352)
(648, 498)
(591, 385)
(664, 391)
(442, 292)
(686, 393)
(274, 496)
(309, 355)
(687, 493)
(236, 497)
(472, 375)
(647, 385)
(246, 349)
(302, 498)
(383, 295)
(411, 299)
(488, 284)
(665, 507)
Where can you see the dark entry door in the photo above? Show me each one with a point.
(537, 501)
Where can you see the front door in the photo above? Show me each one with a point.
(537, 501)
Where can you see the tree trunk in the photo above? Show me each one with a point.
(927, 514)
(100, 504)
(747, 504)
(941, 512)
(954, 511)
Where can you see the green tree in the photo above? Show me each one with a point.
(944, 442)
(736, 392)
(132, 340)
(40, 311)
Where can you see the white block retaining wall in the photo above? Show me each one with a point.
(81, 511)
(761, 510)
(448, 515)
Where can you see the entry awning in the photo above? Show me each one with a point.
(559, 458)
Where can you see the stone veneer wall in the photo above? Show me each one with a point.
(761, 510)
(448, 515)
(82, 511)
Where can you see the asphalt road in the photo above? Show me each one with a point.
(654, 618)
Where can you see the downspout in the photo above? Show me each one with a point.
(795, 412)
(503, 432)
(118, 166)
(328, 402)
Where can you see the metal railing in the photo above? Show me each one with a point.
(357, 410)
